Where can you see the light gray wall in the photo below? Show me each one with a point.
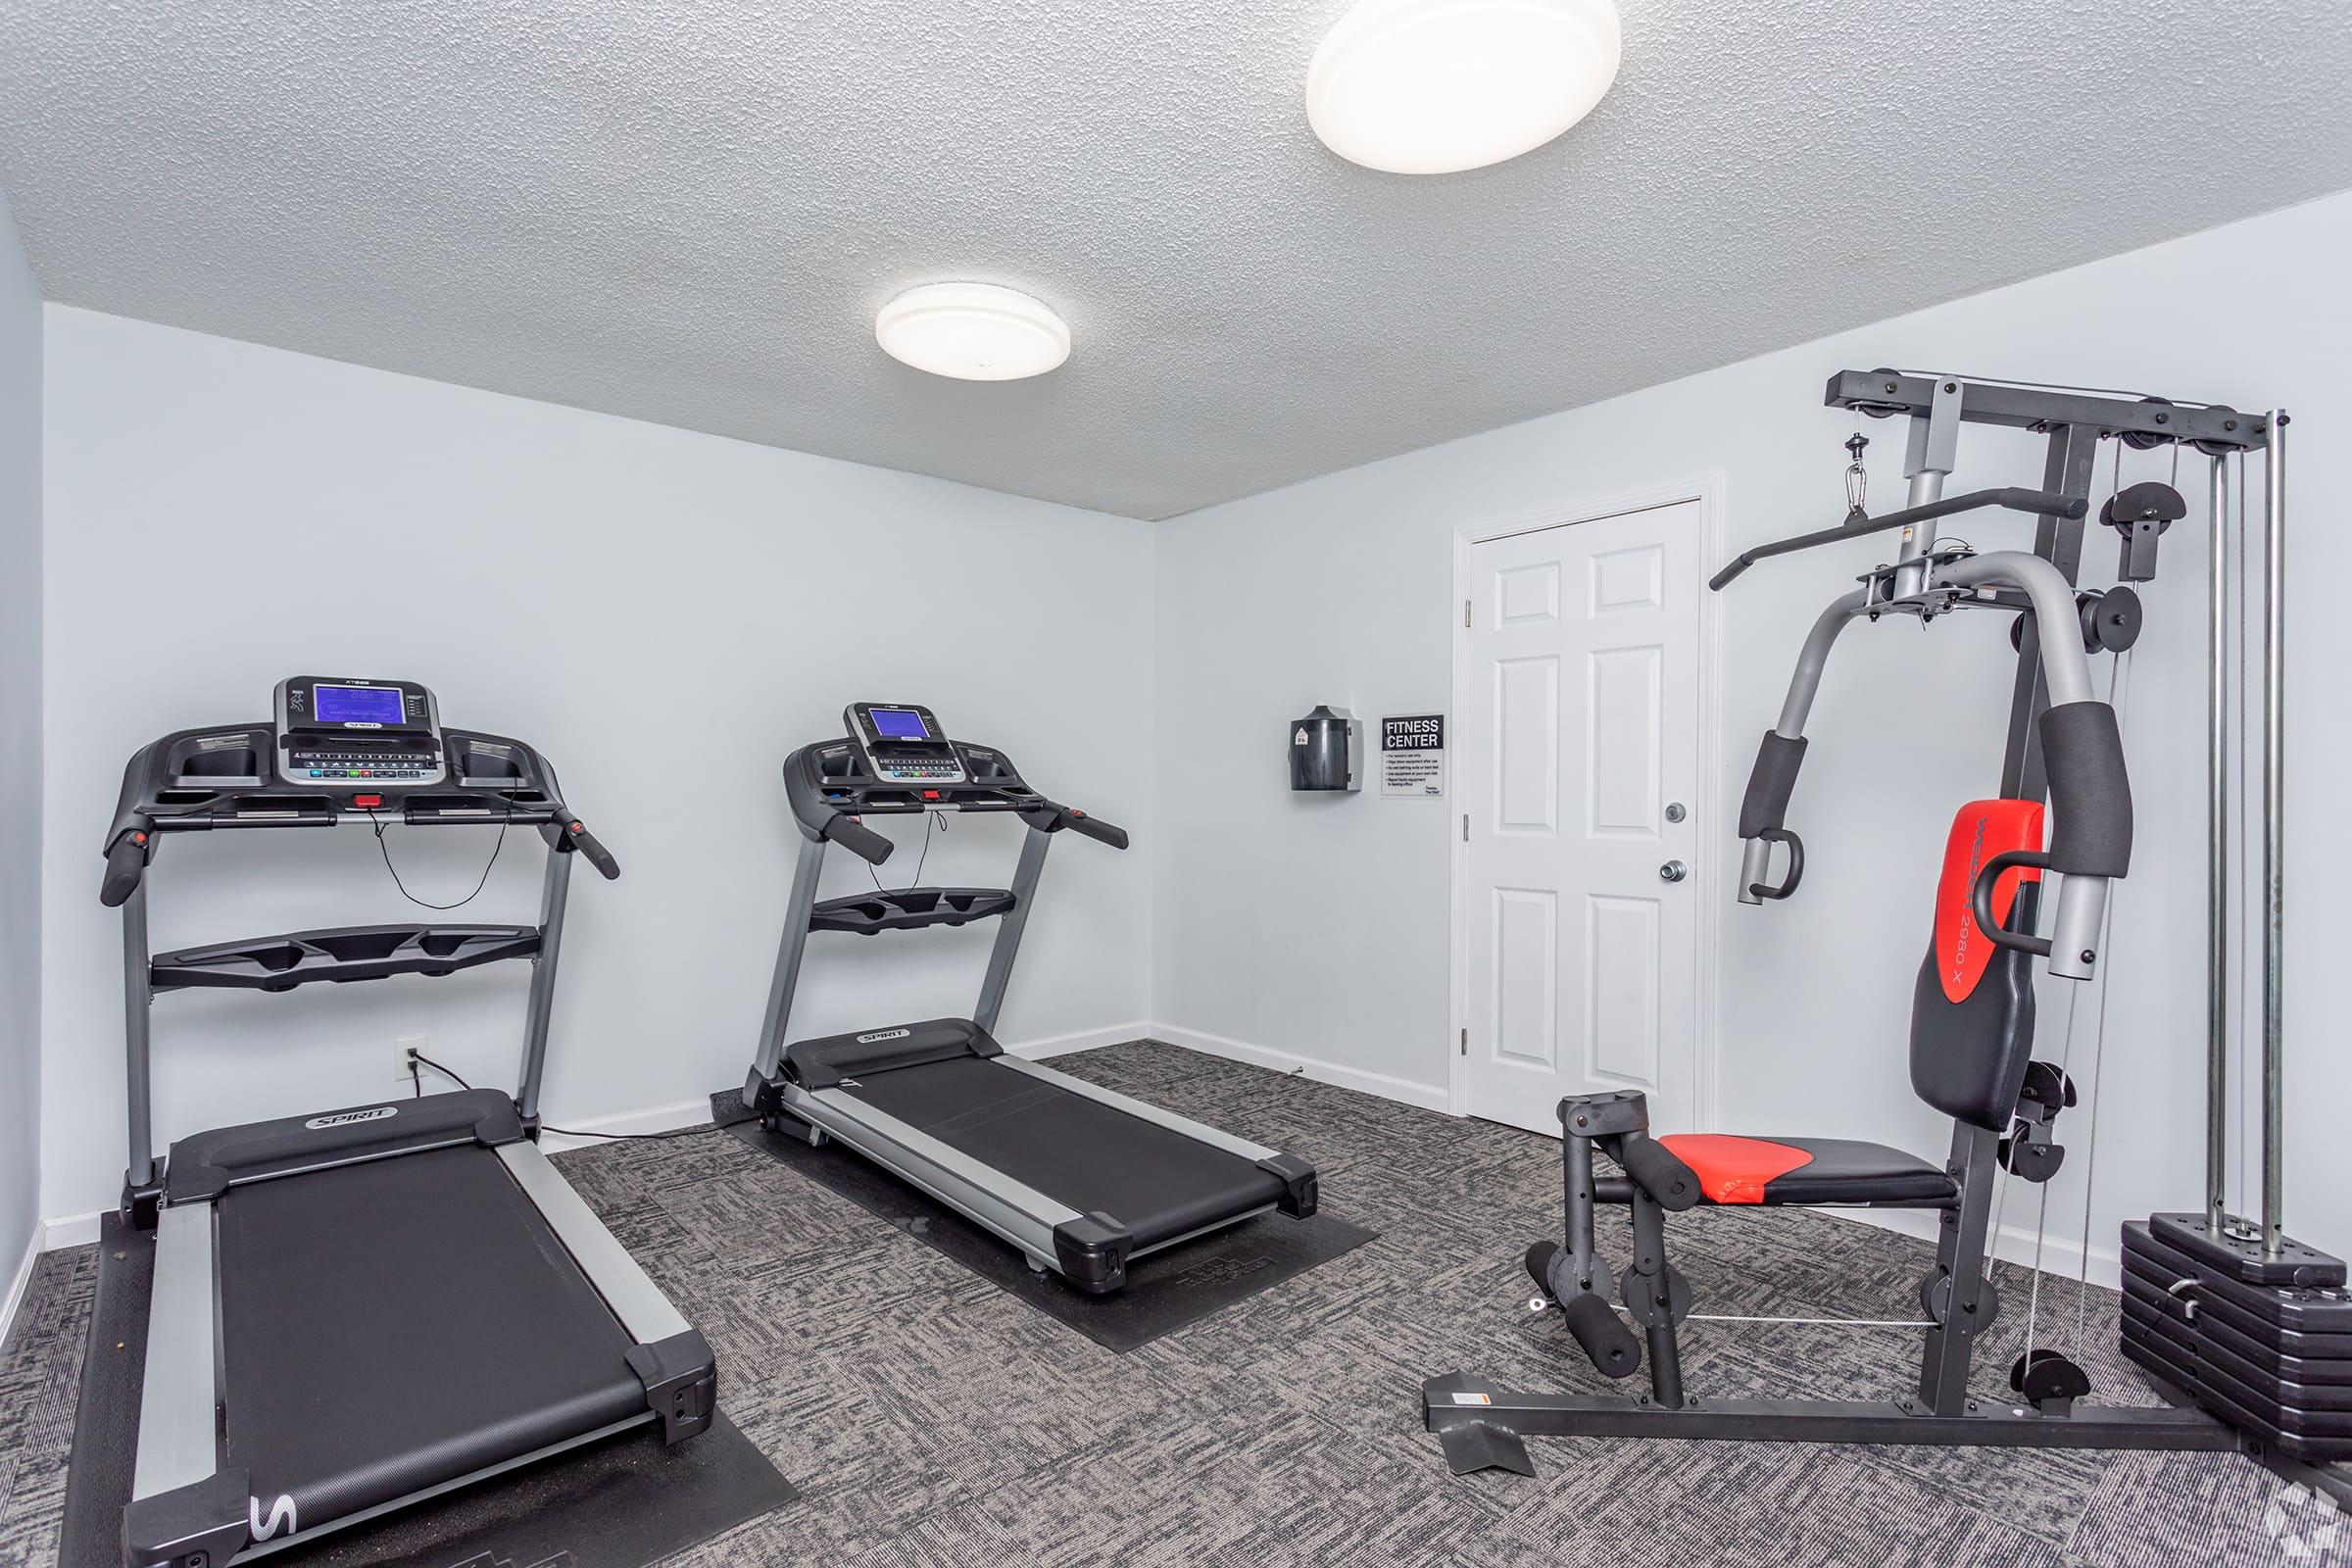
(19, 753)
(1318, 930)
(664, 614)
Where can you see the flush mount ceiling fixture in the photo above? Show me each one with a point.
(973, 332)
(1435, 87)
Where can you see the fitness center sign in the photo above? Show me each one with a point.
(1412, 755)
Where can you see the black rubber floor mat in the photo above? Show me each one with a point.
(620, 1503)
(1165, 1290)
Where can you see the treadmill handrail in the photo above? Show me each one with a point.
(830, 790)
(826, 784)
(164, 793)
(155, 798)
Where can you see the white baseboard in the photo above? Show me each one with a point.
(659, 1119)
(1081, 1040)
(23, 1277)
(2060, 1256)
(81, 1230)
(72, 1230)
(1429, 1096)
(687, 1112)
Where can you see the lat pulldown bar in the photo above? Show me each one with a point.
(2040, 503)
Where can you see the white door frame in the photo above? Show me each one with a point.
(1708, 880)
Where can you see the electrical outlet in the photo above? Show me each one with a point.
(412, 1045)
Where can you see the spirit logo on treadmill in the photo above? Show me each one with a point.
(281, 1518)
(884, 1034)
(344, 1118)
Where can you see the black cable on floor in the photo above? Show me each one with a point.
(419, 1059)
(635, 1138)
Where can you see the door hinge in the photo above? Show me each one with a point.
(1465, 827)
(1465, 1042)
(1465, 611)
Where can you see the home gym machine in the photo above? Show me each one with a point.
(1079, 1178)
(357, 1311)
(2210, 1297)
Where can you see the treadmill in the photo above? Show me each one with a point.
(1079, 1178)
(363, 1308)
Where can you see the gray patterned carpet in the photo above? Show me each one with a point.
(931, 1419)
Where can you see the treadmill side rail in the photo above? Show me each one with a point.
(880, 1135)
(671, 1358)
(179, 1400)
(1019, 1213)
(635, 1298)
(1198, 1132)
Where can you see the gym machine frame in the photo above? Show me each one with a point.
(803, 1090)
(1481, 1426)
(189, 1504)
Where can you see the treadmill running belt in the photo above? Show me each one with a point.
(1095, 1157)
(396, 1324)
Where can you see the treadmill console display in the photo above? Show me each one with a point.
(904, 744)
(357, 706)
(337, 732)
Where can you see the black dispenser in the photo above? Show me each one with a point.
(1327, 750)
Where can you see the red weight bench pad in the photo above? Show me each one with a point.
(1807, 1170)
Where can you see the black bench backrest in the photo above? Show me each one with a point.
(1972, 1011)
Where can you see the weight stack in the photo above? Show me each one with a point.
(2270, 1355)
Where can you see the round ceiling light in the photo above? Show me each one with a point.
(1433, 86)
(972, 332)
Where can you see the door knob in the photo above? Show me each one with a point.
(1673, 871)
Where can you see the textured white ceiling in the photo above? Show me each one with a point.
(688, 211)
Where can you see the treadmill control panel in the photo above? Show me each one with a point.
(904, 744)
(344, 733)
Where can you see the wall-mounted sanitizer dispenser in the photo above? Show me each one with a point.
(1327, 750)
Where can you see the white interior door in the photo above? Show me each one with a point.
(1580, 762)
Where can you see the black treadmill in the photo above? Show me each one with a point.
(1079, 1178)
(363, 1308)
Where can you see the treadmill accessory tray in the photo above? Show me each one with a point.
(341, 954)
(908, 909)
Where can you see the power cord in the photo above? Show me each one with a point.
(385, 850)
(933, 821)
(418, 1058)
